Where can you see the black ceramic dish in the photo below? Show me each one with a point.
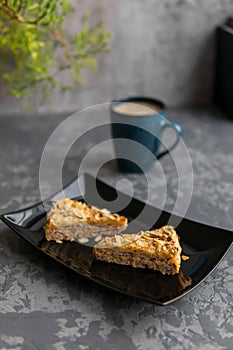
(205, 245)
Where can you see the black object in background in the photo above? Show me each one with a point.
(223, 93)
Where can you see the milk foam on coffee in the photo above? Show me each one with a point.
(136, 109)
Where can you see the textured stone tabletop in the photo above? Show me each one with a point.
(44, 306)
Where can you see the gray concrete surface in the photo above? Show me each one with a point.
(43, 306)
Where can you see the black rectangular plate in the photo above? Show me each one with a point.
(205, 245)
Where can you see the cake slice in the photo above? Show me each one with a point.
(69, 219)
(158, 250)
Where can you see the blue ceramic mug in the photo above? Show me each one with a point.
(137, 124)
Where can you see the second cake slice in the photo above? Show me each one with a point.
(158, 250)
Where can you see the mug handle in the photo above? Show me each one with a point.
(179, 133)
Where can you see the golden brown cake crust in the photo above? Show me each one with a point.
(69, 219)
(157, 249)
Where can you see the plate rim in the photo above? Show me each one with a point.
(106, 184)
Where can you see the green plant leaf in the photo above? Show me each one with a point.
(31, 37)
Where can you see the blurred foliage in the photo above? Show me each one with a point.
(34, 50)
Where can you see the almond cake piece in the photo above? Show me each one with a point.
(69, 219)
(158, 250)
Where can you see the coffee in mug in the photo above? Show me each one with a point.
(135, 109)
